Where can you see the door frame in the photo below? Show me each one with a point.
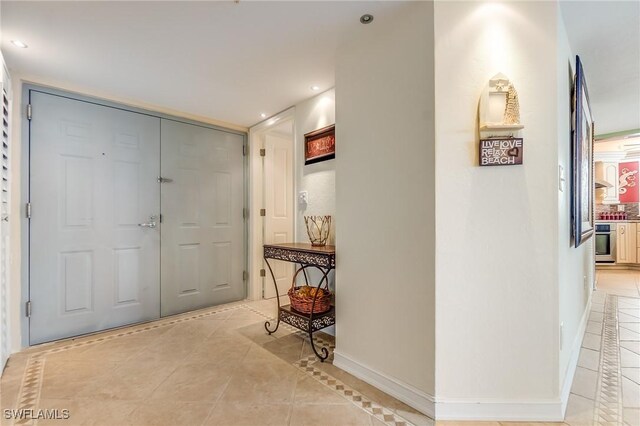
(256, 196)
(25, 180)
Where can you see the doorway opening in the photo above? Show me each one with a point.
(272, 158)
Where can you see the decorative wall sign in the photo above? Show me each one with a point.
(501, 152)
(582, 185)
(320, 145)
(628, 182)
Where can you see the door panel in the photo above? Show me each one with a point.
(93, 179)
(202, 222)
(278, 193)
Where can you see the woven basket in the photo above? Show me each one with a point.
(303, 303)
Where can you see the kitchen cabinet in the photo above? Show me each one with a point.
(626, 241)
(608, 171)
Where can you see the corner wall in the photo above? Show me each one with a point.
(318, 179)
(497, 241)
(385, 204)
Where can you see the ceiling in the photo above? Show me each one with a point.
(233, 61)
(219, 59)
(606, 36)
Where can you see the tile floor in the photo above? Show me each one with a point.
(218, 367)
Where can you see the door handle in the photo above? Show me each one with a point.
(151, 224)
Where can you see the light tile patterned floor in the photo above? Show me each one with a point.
(216, 366)
(219, 367)
(606, 387)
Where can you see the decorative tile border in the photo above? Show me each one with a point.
(31, 385)
(385, 415)
(29, 394)
(30, 388)
(307, 366)
(608, 409)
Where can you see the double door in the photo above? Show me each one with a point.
(132, 217)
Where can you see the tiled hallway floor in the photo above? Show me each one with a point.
(219, 367)
(210, 367)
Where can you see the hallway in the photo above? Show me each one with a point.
(606, 385)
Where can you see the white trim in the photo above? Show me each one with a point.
(575, 355)
(256, 198)
(495, 410)
(404, 392)
(471, 409)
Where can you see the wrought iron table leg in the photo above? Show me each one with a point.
(325, 352)
(267, 324)
(304, 271)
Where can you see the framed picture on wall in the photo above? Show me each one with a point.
(320, 145)
(582, 187)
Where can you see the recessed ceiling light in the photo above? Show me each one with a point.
(315, 88)
(263, 115)
(366, 18)
(19, 43)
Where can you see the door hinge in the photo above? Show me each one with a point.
(245, 213)
(27, 309)
(245, 275)
(160, 218)
(263, 152)
(28, 211)
(244, 150)
(263, 273)
(263, 212)
(29, 112)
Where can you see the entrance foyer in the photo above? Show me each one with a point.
(109, 188)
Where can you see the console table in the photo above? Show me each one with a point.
(306, 256)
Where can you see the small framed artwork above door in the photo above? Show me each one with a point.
(132, 215)
(272, 197)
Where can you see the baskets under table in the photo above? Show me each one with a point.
(303, 303)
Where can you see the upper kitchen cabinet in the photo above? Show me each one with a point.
(607, 176)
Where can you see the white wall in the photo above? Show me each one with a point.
(502, 246)
(576, 267)
(317, 179)
(385, 203)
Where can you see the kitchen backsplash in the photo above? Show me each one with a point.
(633, 212)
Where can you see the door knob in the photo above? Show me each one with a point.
(150, 224)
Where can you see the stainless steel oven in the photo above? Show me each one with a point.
(606, 243)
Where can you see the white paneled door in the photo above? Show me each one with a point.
(202, 217)
(278, 194)
(93, 181)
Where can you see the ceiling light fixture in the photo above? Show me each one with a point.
(19, 44)
(366, 18)
(315, 88)
(263, 115)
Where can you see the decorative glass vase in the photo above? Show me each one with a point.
(318, 228)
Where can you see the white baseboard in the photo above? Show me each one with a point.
(404, 392)
(575, 355)
(473, 409)
(492, 410)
